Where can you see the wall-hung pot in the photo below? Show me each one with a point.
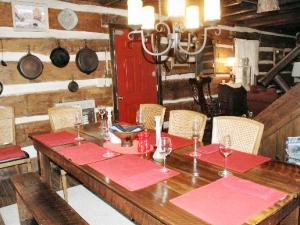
(59, 57)
(73, 86)
(30, 66)
(87, 60)
(1, 88)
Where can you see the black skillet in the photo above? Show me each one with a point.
(87, 60)
(59, 56)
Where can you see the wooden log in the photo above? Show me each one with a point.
(10, 74)
(38, 103)
(87, 21)
(46, 45)
(23, 130)
(266, 56)
(171, 89)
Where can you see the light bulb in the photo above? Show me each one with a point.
(148, 18)
(212, 10)
(192, 20)
(176, 8)
(134, 10)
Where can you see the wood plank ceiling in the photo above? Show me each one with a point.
(244, 13)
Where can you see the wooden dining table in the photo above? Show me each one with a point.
(151, 205)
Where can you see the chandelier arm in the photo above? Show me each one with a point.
(170, 42)
(203, 44)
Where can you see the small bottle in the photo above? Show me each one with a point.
(141, 144)
(147, 140)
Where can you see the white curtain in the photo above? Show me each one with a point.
(246, 51)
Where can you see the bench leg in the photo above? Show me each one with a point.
(64, 184)
(24, 214)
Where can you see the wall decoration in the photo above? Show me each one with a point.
(221, 55)
(30, 16)
(68, 19)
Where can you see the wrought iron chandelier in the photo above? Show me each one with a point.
(142, 19)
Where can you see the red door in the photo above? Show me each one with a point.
(136, 77)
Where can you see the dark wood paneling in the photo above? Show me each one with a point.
(176, 89)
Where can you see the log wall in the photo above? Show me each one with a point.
(176, 90)
(32, 98)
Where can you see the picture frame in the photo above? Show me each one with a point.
(30, 16)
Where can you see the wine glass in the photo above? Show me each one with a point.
(140, 120)
(195, 136)
(225, 150)
(166, 149)
(105, 133)
(77, 124)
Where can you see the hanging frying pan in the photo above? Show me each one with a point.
(87, 60)
(73, 85)
(1, 87)
(30, 66)
(59, 56)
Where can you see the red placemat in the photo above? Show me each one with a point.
(132, 172)
(228, 201)
(84, 153)
(126, 150)
(237, 161)
(56, 139)
(177, 142)
(11, 152)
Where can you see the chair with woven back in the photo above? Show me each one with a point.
(63, 117)
(10, 153)
(149, 112)
(245, 133)
(181, 123)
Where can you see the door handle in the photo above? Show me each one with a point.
(120, 98)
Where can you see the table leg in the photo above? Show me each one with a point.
(45, 169)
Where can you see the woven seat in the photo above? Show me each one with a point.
(10, 153)
(62, 117)
(245, 133)
(181, 123)
(150, 111)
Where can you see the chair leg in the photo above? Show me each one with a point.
(18, 169)
(29, 166)
(64, 184)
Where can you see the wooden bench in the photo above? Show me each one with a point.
(38, 204)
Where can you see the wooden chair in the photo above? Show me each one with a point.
(181, 123)
(245, 133)
(10, 153)
(202, 97)
(150, 111)
(62, 117)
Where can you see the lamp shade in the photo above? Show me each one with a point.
(212, 10)
(296, 70)
(148, 18)
(134, 11)
(192, 19)
(176, 8)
